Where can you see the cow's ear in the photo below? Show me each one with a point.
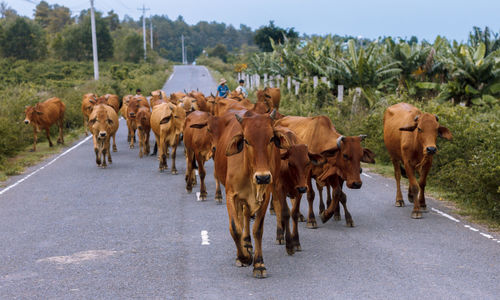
(281, 140)
(330, 152)
(110, 122)
(316, 159)
(368, 156)
(236, 145)
(408, 128)
(285, 155)
(445, 133)
(91, 101)
(198, 126)
(39, 112)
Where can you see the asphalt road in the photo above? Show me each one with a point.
(75, 231)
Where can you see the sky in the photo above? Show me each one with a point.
(425, 19)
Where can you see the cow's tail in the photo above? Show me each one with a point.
(403, 171)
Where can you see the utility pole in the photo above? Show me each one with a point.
(151, 30)
(183, 53)
(144, 27)
(94, 41)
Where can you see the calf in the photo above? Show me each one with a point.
(88, 102)
(134, 103)
(103, 122)
(43, 115)
(410, 137)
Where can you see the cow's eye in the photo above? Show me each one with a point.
(346, 157)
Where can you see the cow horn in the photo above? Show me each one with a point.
(437, 118)
(416, 118)
(211, 94)
(185, 92)
(362, 137)
(240, 119)
(273, 114)
(340, 139)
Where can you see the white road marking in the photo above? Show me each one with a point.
(486, 235)
(198, 196)
(196, 172)
(78, 257)
(366, 175)
(445, 215)
(471, 228)
(43, 167)
(204, 238)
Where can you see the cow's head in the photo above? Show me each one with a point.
(259, 142)
(134, 104)
(426, 128)
(300, 161)
(90, 103)
(30, 114)
(100, 124)
(143, 117)
(345, 160)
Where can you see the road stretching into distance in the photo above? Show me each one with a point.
(72, 230)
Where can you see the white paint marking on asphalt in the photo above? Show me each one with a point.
(204, 238)
(445, 215)
(366, 175)
(486, 235)
(172, 75)
(471, 228)
(78, 257)
(198, 196)
(196, 172)
(43, 167)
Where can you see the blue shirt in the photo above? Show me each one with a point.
(222, 91)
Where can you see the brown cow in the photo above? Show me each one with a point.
(88, 102)
(176, 97)
(247, 162)
(165, 125)
(43, 115)
(143, 121)
(344, 156)
(103, 125)
(200, 103)
(158, 97)
(134, 103)
(415, 148)
(199, 145)
(113, 101)
(273, 96)
(123, 110)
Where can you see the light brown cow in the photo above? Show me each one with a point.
(201, 103)
(134, 103)
(143, 121)
(158, 97)
(344, 157)
(88, 102)
(113, 101)
(165, 125)
(410, 137)
(43, 115)
(199, 144)
(103, 125)
(247, 162)
(176, 97)
(273, 96)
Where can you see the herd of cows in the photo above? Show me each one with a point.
(257, 153)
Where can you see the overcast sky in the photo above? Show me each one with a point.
(425, 19)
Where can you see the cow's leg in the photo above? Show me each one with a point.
(413, 191)
(243, 258)
(174, 151)
(155, 149)
(114, 142)
(60, 139)
(202, 173)
(86, 125)
(422, 184)
(162, 146)
(311, 218)
(189, 170)
(218, 193)
(259, 269)
(295, 219)
(397, 175)
(246, 240)
(283, 234)
(272, 211)
(108, 142)
(35, 137)
(147, 142)
(320, 192)
(47, 131)
(343, 199)
(132, 138)
(141, 143)
(276, 197)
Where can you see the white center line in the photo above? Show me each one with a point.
(445, 215)
(204, 238)
(471, 228)
(366, 175)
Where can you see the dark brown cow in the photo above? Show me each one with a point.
(247, 162)
(143, 121)
(344, 156)
(200, 102)
(199, 145)
(88, 102)
(103, 123)
(410, 137)
(134, 103)
(43, 115)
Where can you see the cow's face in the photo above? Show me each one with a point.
(347, 159)
(29, 111)
(133, 107)
(101, 124)
(300, 162)
(426, 128)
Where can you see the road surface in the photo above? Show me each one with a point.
(74, 231)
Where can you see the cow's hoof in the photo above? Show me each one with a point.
(271, 211)
(218, 200)
(203, 197)
(189, 190)
(290, 250)
(400, 203)
(337, 217)
(280, 241)
(423, 209)
(301, 218)
(297, 248)
(349, 223)
(410, 198)
(259, 272)
(322, 217)
(132, 147)
(115, 149)
(416, 215)
(174, 172)
(312, 224)
(244, 262)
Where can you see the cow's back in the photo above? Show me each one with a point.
(113, 101)
(395, 117)
(53, 109)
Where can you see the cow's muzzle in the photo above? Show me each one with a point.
(355, 185)
(263, 179)
(431, 150)
(26, 122)
(302, 189)
(132, 115)
(102, 134)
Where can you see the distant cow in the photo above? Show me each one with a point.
(103, 125)
(410, 137)
(88, 102)
(247, 162)
(199, 145)
(112, 100)
(273, 96)
(134, 103)
(344, 156)
(43, 115)
(143, 121)
(157, 97)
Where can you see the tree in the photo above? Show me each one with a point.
(52, 17)
(7, 12)
(23, 39)
(219, 51)
(277, 34)
(129, 46)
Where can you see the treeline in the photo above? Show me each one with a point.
(54, 33)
